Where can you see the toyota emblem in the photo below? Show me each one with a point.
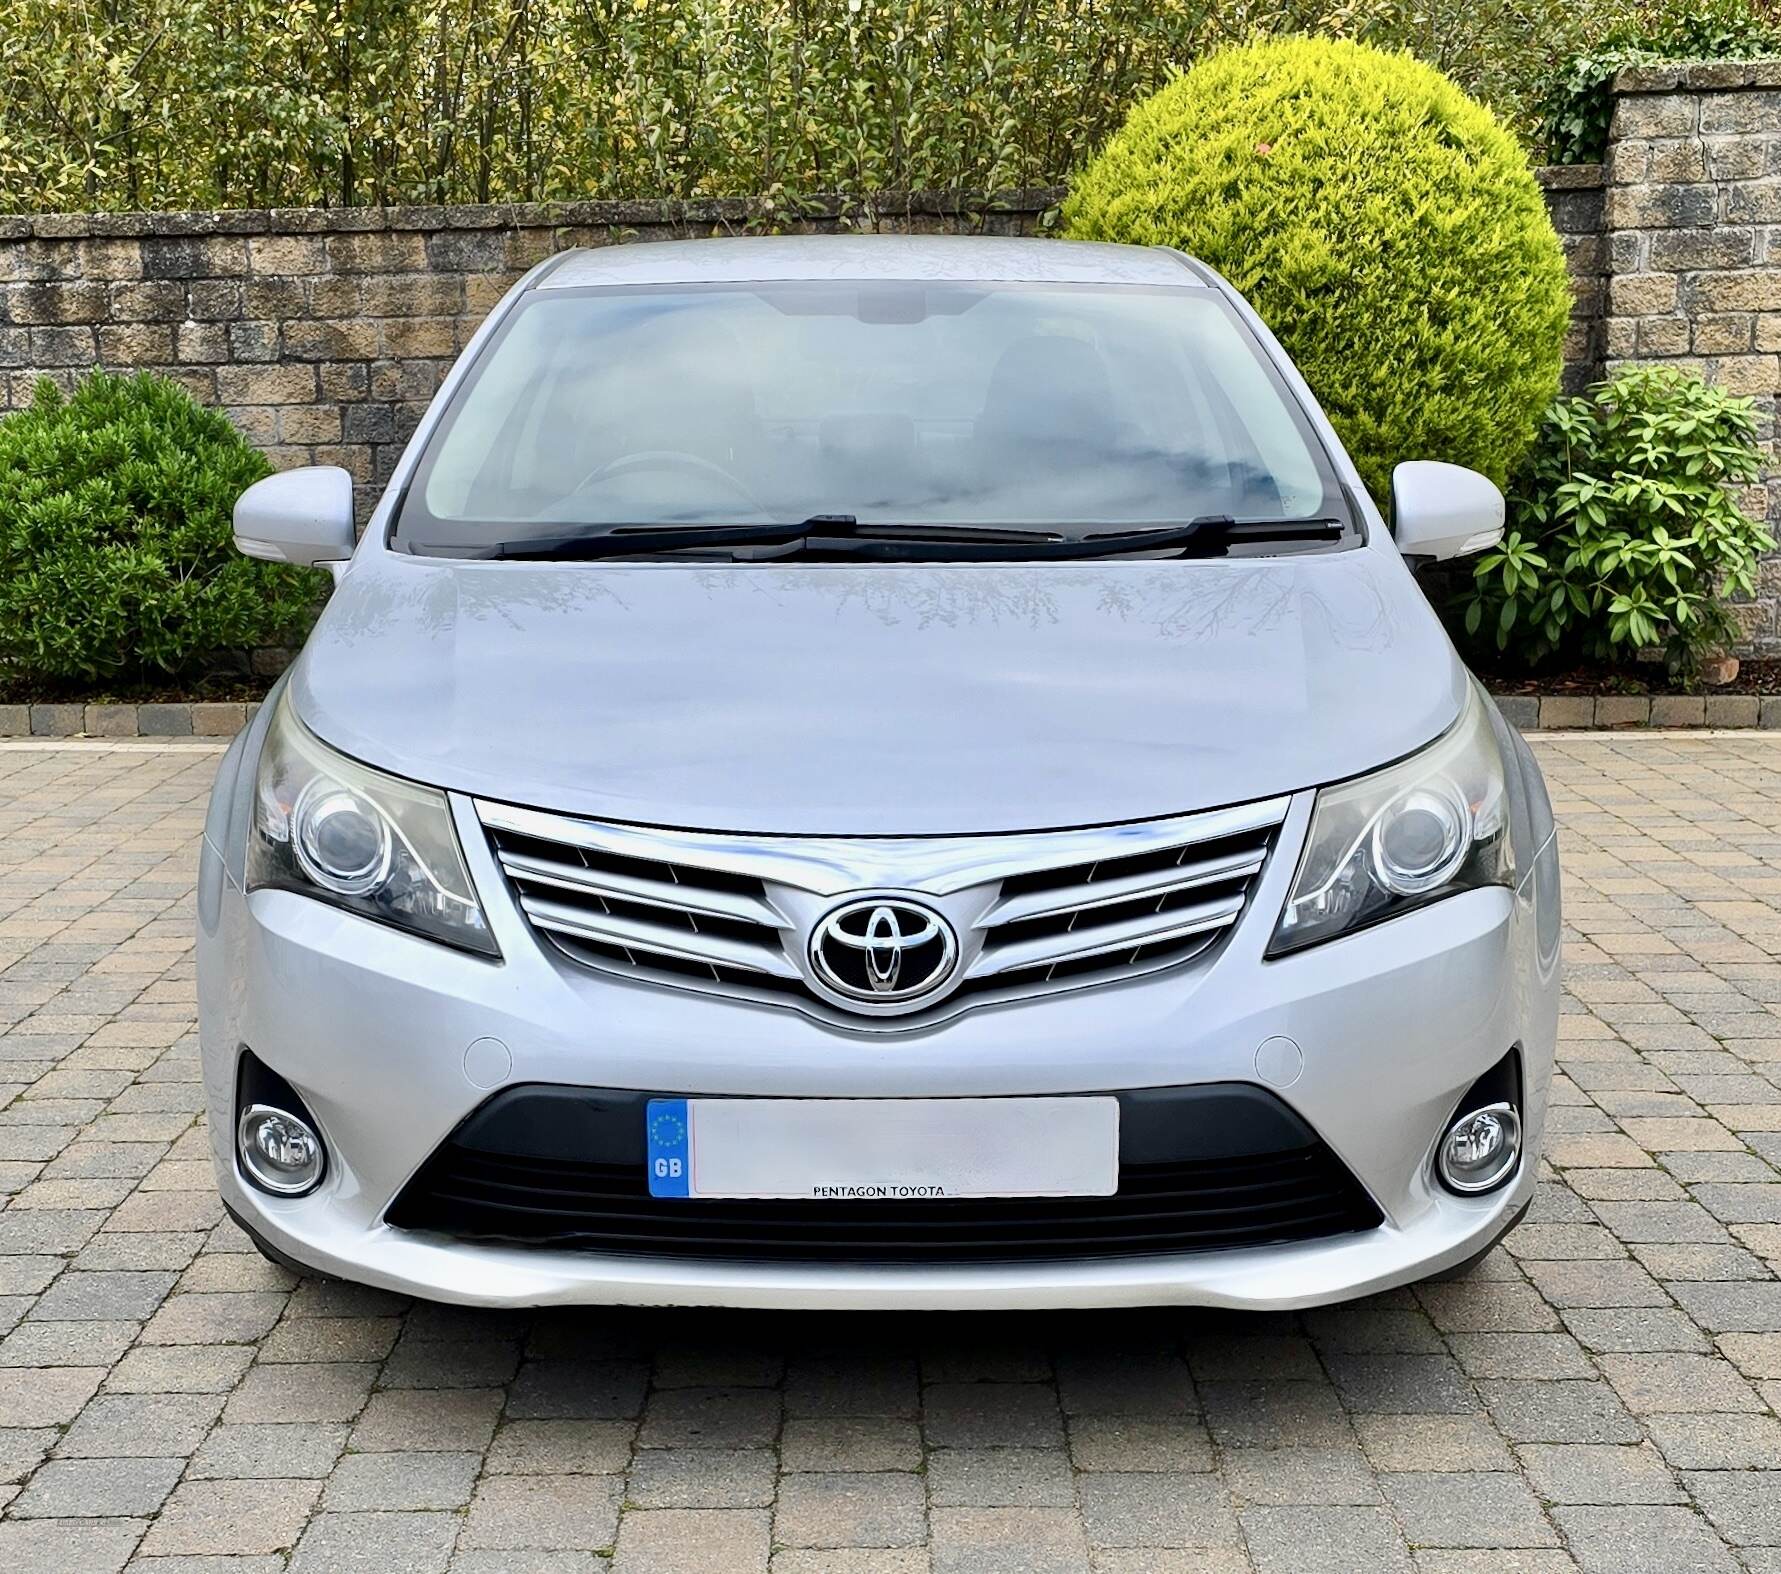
(884, 950)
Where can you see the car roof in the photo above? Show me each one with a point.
(773, 258)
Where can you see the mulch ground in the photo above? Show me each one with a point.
(1754, 677)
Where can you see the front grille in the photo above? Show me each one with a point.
(734, 915)
(564, 1191)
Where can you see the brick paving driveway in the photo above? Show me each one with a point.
(1601, 1395)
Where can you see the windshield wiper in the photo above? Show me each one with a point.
(1208, 536)
(842, 535)
(624, 540)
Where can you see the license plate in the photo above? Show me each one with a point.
(893, 1150)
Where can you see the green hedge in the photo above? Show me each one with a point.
(116, 552)
(1385, 226)
(139, 104)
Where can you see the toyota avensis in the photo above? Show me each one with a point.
(887, 772)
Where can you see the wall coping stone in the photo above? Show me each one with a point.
(609, 213)
(1529, 712)
(1698, 76)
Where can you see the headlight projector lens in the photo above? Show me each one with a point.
(1480, 1148)
(341, 841)
(279, 1150)
(1420, 841)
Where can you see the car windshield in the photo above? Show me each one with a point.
(1070, 410)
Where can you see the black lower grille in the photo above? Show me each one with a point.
(1202, 1169)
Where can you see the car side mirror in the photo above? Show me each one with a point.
(1443, 511)
(297, 516)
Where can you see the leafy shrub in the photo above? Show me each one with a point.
(1576, 101)
(115, 543)
(273, 103)
(1384, 225)
(1625, 534)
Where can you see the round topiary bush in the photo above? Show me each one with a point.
(1385, 226)
(116, 556)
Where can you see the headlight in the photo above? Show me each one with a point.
(1430, 825)
(373, 844)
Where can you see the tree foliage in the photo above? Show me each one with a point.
(108, 104)
(1576, 103)
(1384, 225)
(1626, 533)
(116, 551)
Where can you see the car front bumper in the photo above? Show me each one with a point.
(392, 1041)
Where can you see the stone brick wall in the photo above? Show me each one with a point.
(324, 333)
(1574, 197)
(1692, 223)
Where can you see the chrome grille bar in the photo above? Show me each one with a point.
(735, 915)
(1074, 945)
(1108, 893)
(628, 888)
(632, 935)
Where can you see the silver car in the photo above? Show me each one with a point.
(877, 772)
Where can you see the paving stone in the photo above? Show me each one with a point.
(46, 1396)
(97, 1489)
(693, 1541)
(1402, 1384)
(590, 1390)
(850, 1560)
(1643, 1540)
(61, 1546)
(1599, 1473)
(1287, 1476)
(448, 1420)
(1457, 1443)
(333, 1392)
(471, 1560)
(1671, 1382)
(1000, 1478)
(849, 1443)
(564, 1447)
(1744, 1505)
(992, 1415)
(1008, 1541)
(140, 1426)
(1139, 1443)
(1274, 1415)
(1487, 1509)
(711, 1418)
(364, 1482)
(269, 1450)
(702, 1478)
(103, 1296)
(1155, 1509)
(1718, 1442)
(545, 1512)
(850, 1509)
(1565, 1412)
(376, 1543)
(232, 1517)
(1325, 1541)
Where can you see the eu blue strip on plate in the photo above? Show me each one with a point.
(669, 1163)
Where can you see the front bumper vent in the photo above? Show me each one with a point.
(1201, 1169)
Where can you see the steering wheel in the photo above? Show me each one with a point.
(669, 460)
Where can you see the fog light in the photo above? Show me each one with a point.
(279, 1150)
(1480, 1148)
